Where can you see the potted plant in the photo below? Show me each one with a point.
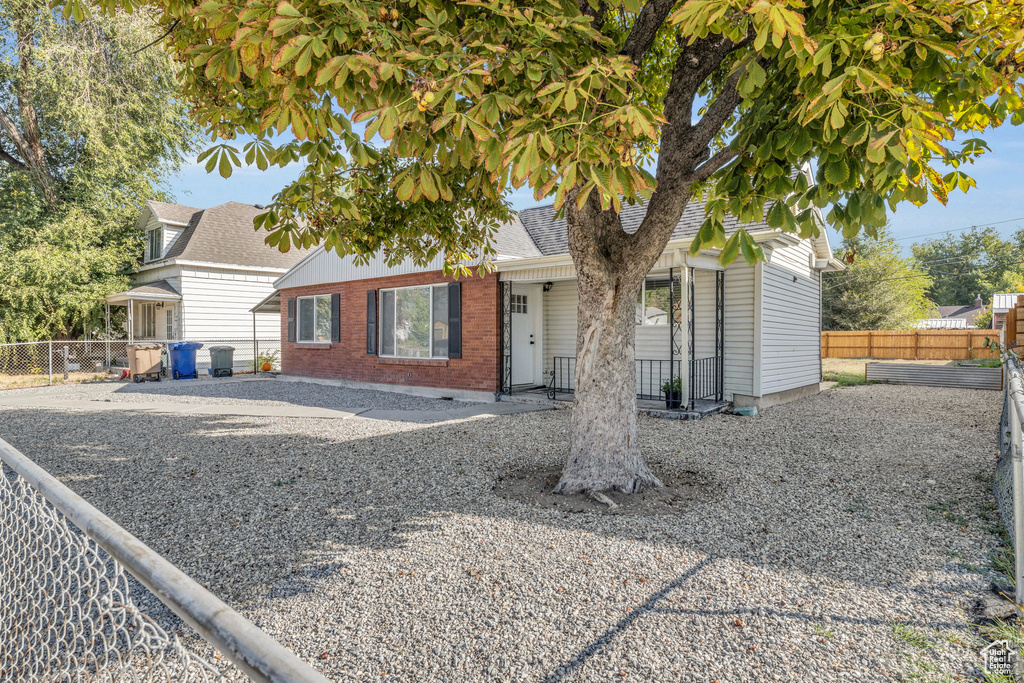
(673, 390)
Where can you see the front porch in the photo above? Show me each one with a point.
(152, 312)
(680, 338)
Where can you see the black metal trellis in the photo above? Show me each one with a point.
(505, 306)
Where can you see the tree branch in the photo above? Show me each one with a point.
(683, 148)
(13, 161)
(11, 128)
(154, 42)
(719, 111)
(720, 159)
(645, 29)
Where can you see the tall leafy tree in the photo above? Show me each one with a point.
(576, 99)
(90, 125)
(973, 263)
(880, 289)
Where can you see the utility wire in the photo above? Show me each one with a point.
(969, 227)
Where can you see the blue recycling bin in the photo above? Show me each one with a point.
(183, 359)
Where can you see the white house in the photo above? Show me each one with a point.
(744, 333)
(203, 269)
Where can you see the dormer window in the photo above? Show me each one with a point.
(154, 244)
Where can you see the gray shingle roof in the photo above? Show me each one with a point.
(225, 234)
(969, 311)
(175, 213)
(162, 287)
(551, 236)
(511, 239)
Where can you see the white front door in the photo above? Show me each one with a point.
(526, 308)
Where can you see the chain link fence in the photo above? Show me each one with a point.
(28, 364)
(1008, 485)
(67, 612)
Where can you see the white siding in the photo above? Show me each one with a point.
(324, 267)
(703, 313)
(216, 303)
(796, 258)
(560, 306)
(790, 333)
(738, 310)
(652, 343)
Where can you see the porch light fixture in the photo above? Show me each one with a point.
(548, 286)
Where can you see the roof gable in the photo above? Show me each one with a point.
(223, 234)
(551, 234)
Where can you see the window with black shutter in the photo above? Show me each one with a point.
(371, 322)
(291, 320)
(455, 320)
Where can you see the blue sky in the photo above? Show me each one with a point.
(997, 199)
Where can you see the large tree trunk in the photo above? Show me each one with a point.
(604, 446)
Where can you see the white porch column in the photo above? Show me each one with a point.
(131, 320)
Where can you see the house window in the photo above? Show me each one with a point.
(414, 322)
(518, 303)
(315, 318)
(154, 244)
(655, 300)
(169, 323)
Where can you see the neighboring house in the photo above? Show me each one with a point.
(744, 333)
(201, 273)
(944, 323)
(956, 317)
(1001, 303)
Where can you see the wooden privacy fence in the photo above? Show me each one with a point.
(909, 344)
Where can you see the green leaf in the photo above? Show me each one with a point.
(286, 9)
(837, 171)
(731, 249)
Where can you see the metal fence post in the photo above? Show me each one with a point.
(66, 354)
(1013, 387)
(49, 381)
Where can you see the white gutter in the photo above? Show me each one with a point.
(208, 264)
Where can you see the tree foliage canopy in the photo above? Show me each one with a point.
(89, 127)
(577, 99)
(978, 262)
(879, 290)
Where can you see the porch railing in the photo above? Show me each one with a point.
(706, 376)
(651, 375)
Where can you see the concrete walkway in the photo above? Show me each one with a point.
(254, 410)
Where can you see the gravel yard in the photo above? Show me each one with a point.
(838, 541)
(265, 392)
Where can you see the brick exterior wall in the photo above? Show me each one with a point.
(477, 370)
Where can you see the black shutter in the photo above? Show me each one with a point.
(335, 318)
(371, 322)
(455, 320)
(291, 320)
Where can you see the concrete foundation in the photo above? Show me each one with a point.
(409, 390)
(769, 400)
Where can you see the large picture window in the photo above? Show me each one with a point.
(314, 322)
(414, 322)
